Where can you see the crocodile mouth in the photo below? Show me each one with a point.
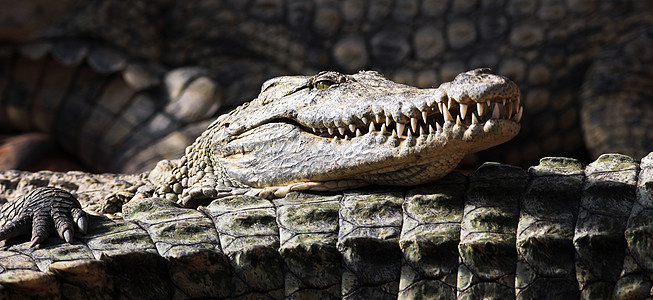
(429, 120)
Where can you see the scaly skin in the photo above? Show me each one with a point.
(561, 229)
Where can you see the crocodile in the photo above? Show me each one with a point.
(583, 66)
(560, 229)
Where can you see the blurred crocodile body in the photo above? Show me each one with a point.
(584, 67)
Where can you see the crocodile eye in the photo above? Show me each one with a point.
(323, 84)
(327, 79)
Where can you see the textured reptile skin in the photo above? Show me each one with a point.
(560, 229)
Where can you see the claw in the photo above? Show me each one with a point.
(68, 236)
(82, 224)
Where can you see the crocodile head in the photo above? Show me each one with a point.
(362, 127)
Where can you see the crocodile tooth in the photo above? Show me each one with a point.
(341, 130)
(365, 120)
(358, 132)
(314, 129)
(474, 119)
(413, 124)
(425, 116)
(480, 108)
(409, 133)
(504, 101)
(450, 103)
(421, 130)
(400, 128)
(463, 110)
(447, 116)
(372, 128)
(440, 107)
(431, 130)
(346, 137)
(384, 129)
(377, 119)
(437, 125)
(519, 114)
(394, 133)
(495, 111)
(458, 120)
(387, 121)
(509, 110)
(352, 127)
(330, 130)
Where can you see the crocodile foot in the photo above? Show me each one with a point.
(44, 209)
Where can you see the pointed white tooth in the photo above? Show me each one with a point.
(504, 102)
(387, 121)
(425, 115)
(519, 114)
(335, 138)
(346, 137)
(384, 129)
(372, 128)
(431, 130)
(450, 103)
(440, 108)
(509, 110)
(463, 110)
(400, 129)
(495, 111)
(474, 119)
(480, 108)
(330, 130)
(314, 129)
(352, 127)
(447, 116)
(365, 120)
(358, 132)
(438, 127)
(413, 124)
(409, 133)
(394, 134)
(377, 119)
(341, 130)
(421, 130)
(458, 120)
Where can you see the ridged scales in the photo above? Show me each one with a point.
(558, 229)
